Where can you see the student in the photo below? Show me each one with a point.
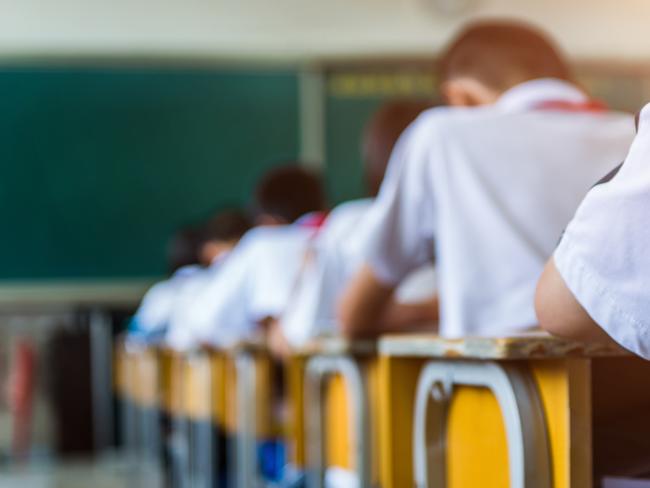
(219, 236)
(487, 184)
(596, 288)
(337, 250)
(150, 320)
(193, 252)
(256, 280)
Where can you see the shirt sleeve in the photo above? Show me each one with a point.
(603, 256)
(153, 314)
(402, 219)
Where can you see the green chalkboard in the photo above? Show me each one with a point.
(98, 166)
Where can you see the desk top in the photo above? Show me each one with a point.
(534, 345)
(332, 346)
(524, 346)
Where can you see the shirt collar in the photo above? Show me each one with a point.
(528, 95)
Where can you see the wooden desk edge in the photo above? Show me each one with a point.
(335, 346)
(528, 346)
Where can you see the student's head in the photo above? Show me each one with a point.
(221, 233)
(489, 57)
(381, 134)
(286, 193)
(184, 248)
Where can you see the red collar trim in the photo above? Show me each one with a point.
(314, 220)
(562, 105)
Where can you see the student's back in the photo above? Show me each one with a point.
(256, 281)
(338, 249)
(506, 178)
(150, 321)
(487, 186)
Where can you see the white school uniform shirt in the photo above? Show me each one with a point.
(327, 264)
(334, 256)
(488, 191)
(157, 304)
(603, 256)
(178, 336)
(253, 284)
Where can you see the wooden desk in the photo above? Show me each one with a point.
(138, 380)
(569, 384)
(333, 389)
(252, 401)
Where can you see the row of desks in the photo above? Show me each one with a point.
(527, 411)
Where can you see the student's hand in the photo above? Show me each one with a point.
(411, 317)
(276, 341)
(560, 314)
(363, 305)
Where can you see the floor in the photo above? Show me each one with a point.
(108, 472)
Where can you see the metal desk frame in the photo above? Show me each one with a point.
(517, 395)
(319, 368)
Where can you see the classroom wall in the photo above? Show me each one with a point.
(303, 28)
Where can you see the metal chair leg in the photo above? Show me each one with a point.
(318, 370)
(247, 469)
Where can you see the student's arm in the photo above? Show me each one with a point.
(363, 305)
(369, 309)
(411, 317)
(596, 286)
(276, 341)
(402, 222)
(559, 312)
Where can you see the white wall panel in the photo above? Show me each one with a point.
(302, 28)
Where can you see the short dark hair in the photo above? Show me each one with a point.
(287, 192)
(183, 248)
(382, 132)
(226, 225)
(501, 54)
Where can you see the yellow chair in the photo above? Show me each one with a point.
(333, 386)
(119, 370)
(251, 407)
(173, 391)
(230, 391)
(192, 391)
(295, 433)
(519, 412)
(137, 383)
(122, 381)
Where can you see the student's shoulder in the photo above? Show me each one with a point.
(447, 120)
(344, 218)
(261, 233)
(349, 210)
(430, 119)
(614, 120)
(264, 236)
(162, 290)
(185, 272)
